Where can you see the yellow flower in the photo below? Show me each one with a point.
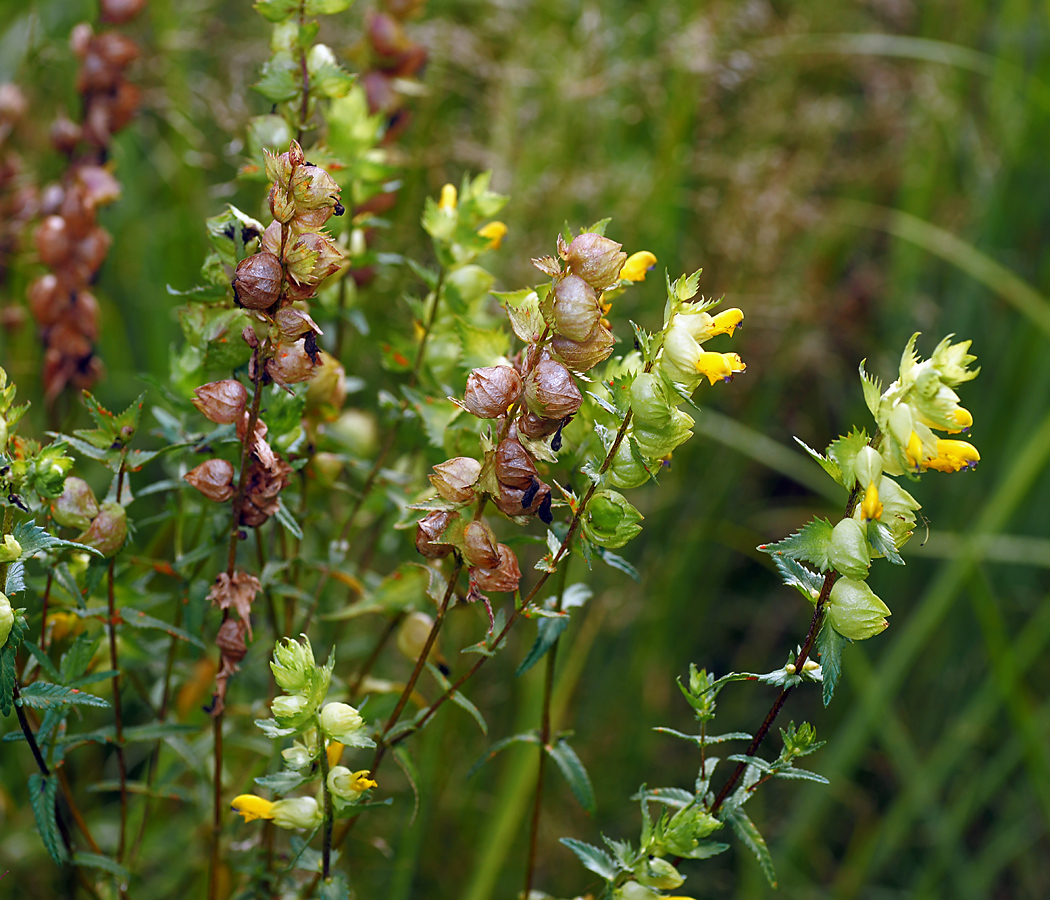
(495, 232)
(449, 198)
(637, 265)
(349, 785)
(726, 322)
(719, 366)
(335, 753)
(871, 508)
(252, 807)
(953, 456)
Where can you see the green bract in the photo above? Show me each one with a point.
(855, 611)
(610, 520)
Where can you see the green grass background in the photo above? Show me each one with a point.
(847, 174)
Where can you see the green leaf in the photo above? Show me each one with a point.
(44, 661)
(703, 740)
(42, 793)
(41, 695)
(810, 544)
(331, 81)
(76, 659)
(7, 661)
(113, 429)
(796, 575)
(281, 782)
(527, 737)
(523, 310)
(872, 388)
(829, 646)
(751, 838)
(280, 80)
(571, 767)
(435, 413)
(481, 346)
(325, 7)
(33, 539)
(881, 541)
(407, 765)
(287, 520)
(16, 581)
(457, 698)
(618, 562)
(335, 888)
(844, 451)
(97, 861)
(828, 465)
(797, 774)
(547, 633)
(137, 619)
(593, 858)
(276, 10)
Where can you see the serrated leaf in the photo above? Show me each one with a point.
(335, 888)
(281, 80)
(137, 619)
(593, 858)
(828, 465)
(16, 582)
(751, 838)
(481, 346)
(872, 388)
(280, 782)
(97, 861)
(705, 850)
(331, 81)
(844, 452)
(829, 646)
(42, 792)
(77, 658)
(276, 10)
(881, 541)
(702, 740)
(809, 544)
(605, 404)
(796, 575)
(33, 539)
(44, 661)
(797, 774)
(523, 310)
(679, 798)
(575, 774)
(548, 631)
(272, 730)
(41, 695)
(618, 562)
(528, 737)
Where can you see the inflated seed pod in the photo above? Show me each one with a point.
(213, 478)
(257, 282)
(429, 529)
(533, 500)
(293, 362)
(536, 427)
(626, 471)
(596, 259)
(503, 578)
(77, 506)
(514, 467)
(52, 241)
(649, 400)
(491, 390)
(454, 479)
(551, 392)
(47, 300)
(576, 308)
(479, 545)
(108, 531)
(586, 354)
(222, 402)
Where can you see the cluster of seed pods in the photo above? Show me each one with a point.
(69, 240)
(18, 197)
(393, 56)
(530, 399)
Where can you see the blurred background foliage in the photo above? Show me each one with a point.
(845, 172)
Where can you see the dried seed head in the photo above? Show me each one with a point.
(583, 355)
(536, 427)
(454, 479)
(222, 402)
(479, 545)
(596, 259)
(294, 323)
(294, 362)
(429, 529)
(514, 467)
(551, 392)
(257, 282)
(491, 390)
(213, 478)
(238, 593)
(65, 134)
(576, 308)
(230, 641)
(503, 578)
(47, 300)
(312, 188)
(264, 484)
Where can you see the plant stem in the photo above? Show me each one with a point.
(326, 841)
(118, 717)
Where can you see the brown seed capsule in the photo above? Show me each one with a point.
(491, 390)
(479, 545)
(386, 35)
(52, 241)
(533, 500)
(454, 479)
(47, 300)
(536, 427)
(576, 308)
(99, 186)
(77, 506)
(294, 323)
(108, 531)
(223, 402)
(230, 640)
(117, 12)
(583, 355)
(257, 283)
(213, 478)
(65, 134)
(116, 49)
(514, 467)
(265, 482)
(503, 578)
(83, 314)
(293, 362)
(429, 529)
(596, 259)
(551, 392)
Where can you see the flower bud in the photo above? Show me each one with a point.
(7, 618)
(341, 722)
(257, 282)
(595, 259)
(293, 665)
(479, 545)
(610, 521)
(296, 812)
(867, 466)
(495, 232)
(637, 265)
(429, 530)
(576, 308)
(76, 507)
(855, 611)
(222, 402)
(551, 392)
(491, 390)
(586, 354)
(297, 756)
(514, 467)
(347, 785)
(108, 531)
(502, 579)
(454, 479)
(849, 553)
(213, 478)
(291, 710)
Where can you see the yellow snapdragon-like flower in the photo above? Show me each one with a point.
(637, 265)
(334, 751)
(871, 506)
(494, 231)
(719, 366)
(252, 807)
(449, 198)
(726, 322)
(952, 456)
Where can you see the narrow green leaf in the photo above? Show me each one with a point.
(457, 698)
(287, 520)
(528, 737)
(96, 861)
(593, 858)
(137, 619)
(618, 562)
(41, 695)
(548, 631)
(42, 792)
(751, 838)
(801, 775)
(407, 765)
(571, 767)
(281, 782)
(703, 740)
(882, 542)
(77, 658)
(829, 646)
(45, 662)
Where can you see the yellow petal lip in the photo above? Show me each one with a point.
(913, 452)
(449, 198)
(637, 265)
(952, 456)
(362, 782)
(727, 321)
(719, 366)
(252, 807)
(871, 508)
(963, 419)
(334, 750)
(495, 232)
